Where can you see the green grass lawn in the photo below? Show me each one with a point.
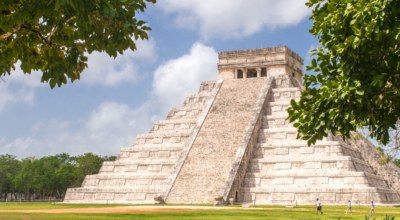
(264, 212)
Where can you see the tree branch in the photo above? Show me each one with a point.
(38, 33)
(8, 34)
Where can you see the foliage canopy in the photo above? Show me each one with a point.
(357, 70)
(55, 36)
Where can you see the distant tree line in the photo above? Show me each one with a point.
(45, 178)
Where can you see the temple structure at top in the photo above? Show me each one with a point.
(241, 64)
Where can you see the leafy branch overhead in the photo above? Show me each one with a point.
(357, 70)
(54, 36)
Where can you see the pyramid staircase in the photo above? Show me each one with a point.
(232, 142)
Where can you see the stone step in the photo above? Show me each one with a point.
(283, 133)
(329, 194)
(153, 147)
(282, 114)
(276, 120)
(196, 98)
(140, 162)
(285, 89)
(207, 86)
(175, 124)
(300, 148)
(128, 176)
(189, 198)
(145, 154)
(285, 93)
(281, 102)
(129, 182)
(333, 188)
(304, 158)
(140, 166)
(277, 107)
(312, 177)
(296, 143)
(113, 194)
(180, 114)
(292, 173)
(281, 162)
(163, 137)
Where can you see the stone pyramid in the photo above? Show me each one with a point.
(232, 142)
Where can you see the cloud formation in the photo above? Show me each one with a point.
(18, 87)
(107, 71)
(180, 77)
(234, 19)
(108, 128)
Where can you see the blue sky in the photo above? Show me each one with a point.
(116, 99)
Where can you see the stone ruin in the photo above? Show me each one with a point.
(232, 142)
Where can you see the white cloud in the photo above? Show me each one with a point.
(107, 71)
(180, 77)
(18, 87)
(234, 19)
(108, 128)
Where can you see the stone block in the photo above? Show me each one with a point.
(111, 182)
(136, 196)
(266, 166)
(263, 198)
(298, 165)
(155, 140)
(345, 164)
(336, 180)
(312, 181)
(143, 154)
(104, 196)
(134, 182)
(359, 196)
(300, 181)
(301, 198)
(163, 154)
(306, 150)
(279, 166)
(109, 168)
(131, 167)
(292, 136)
(264, 182)
(119, 169)
(91, 182)
(89, 196)
(313, 165)
(282, 181)
(281, 151)
(155, 167)
(328, 165)
(120, 197)
(277, 108)
(167, 168)
(283, 196)
(280, 135)
(335, 149)
(326, 196)
(75, 196)
(343, 197)
(355, 180)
